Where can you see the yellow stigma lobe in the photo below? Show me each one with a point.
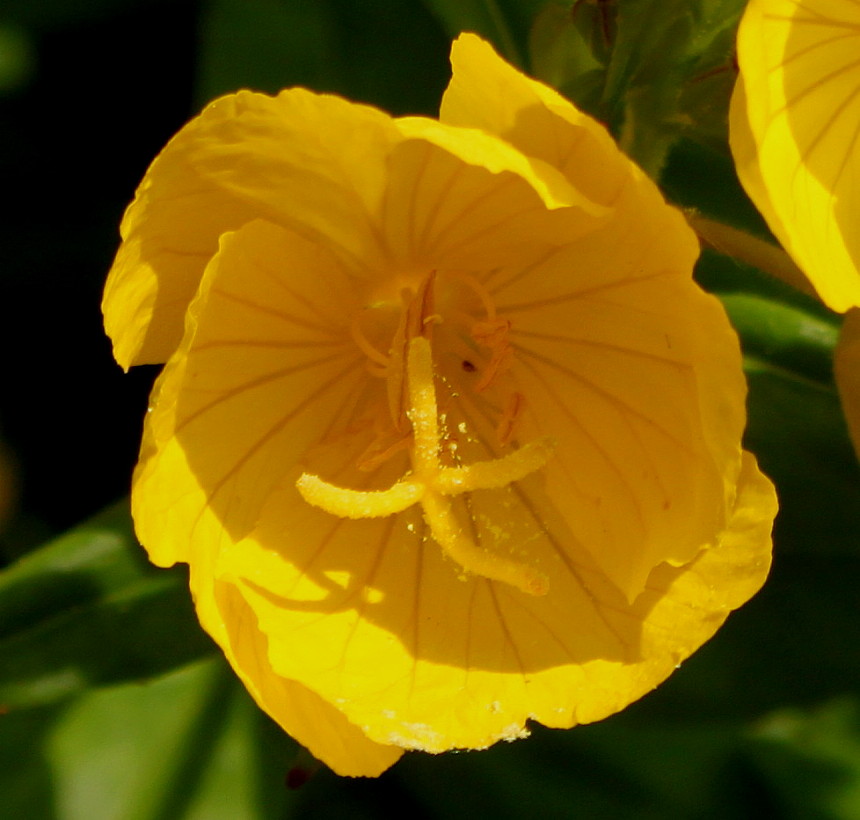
(432, 485)
(346, 503)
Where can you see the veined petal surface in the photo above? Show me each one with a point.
(637, 375)
(230, 165)
(795, 134)
(225, 168)
(589, 325)
(500, 299)
(192, 511)
(487, 93)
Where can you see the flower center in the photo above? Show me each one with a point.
(412, 402)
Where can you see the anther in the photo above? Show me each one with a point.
(507, 425)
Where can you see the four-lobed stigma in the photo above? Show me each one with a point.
(432, 485)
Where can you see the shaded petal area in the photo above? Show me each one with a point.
(846, 368)
(378, 624)
(623, 359)
(307, 161)
(795, 134)
(319, 165)
(636, 372)
(265, 370)
(461, 199)
(487, 93)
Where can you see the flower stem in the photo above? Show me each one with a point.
(750, 250)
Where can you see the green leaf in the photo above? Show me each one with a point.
(614, 769)
(88, 610)
(17, 58)
(663, 68)
(188, 746)
(699, 177)
(797, 430)
(562, 57)
(784, 336)
(810, 760)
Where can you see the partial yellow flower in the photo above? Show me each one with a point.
(795, 121)
(447, 434)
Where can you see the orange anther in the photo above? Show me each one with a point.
(510, 416)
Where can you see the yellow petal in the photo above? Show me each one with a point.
(311, 721)
(487, 93)
(374, 620)
(460, 199)
(626, 359)
(262, 372)
(846, 368)
(190, 483)
(306, 161)
(795, 120)
(636, 373)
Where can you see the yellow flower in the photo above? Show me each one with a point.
(795, 120)
(447, 434)
(795, 136)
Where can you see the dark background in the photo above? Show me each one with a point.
(107, 90)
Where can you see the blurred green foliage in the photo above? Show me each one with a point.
(114, 705)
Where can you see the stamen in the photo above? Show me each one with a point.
(378, 453)
(376, 370)
(365, 346)
(418, 308)
(482, 293)
(510, 416)
(494, 335)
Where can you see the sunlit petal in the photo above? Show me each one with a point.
(279, 336)
(225, 168)
(487, 93)
(309, 719)
(795, 134)
(460, 198)
(378, 623)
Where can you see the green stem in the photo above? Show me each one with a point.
(750, 250)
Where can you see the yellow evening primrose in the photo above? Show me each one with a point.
(795, 121)
(447, 435)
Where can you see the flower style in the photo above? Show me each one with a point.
(795, 121)
(447, 435)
